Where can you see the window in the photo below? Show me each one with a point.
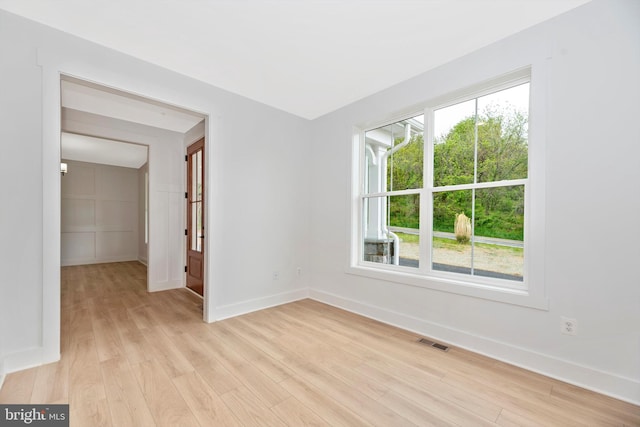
(442, 196)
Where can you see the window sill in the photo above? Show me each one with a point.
(522, 298)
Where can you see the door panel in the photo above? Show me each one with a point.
(195, 217)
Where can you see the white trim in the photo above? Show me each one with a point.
(623, 388)
(451, 284)
(165, 286)
(54, 64)
(25, 359)
(211, 125)
(51, 212)
(408, 192)
(249, 306)
(480, 185)
(487, 87)
(2, 373)
(528, 293)
(105, 260)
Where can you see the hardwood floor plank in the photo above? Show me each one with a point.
(295, 414)
(206, 405)
(270, 392)
(414, 412)
(142, 317)
(353, 399)
(603, 406)
(87, 398)
(321, 403)
(252, 332)
(18, 386)
(80, 322)
(357, 380)
(412, 383)
(165, 402)
(134, 344)
(219, 378)
(127, 404)
(174, 362)
(52, 383)
(510, 419)
(107, 339)
(528, 404)
(250, 410)
(269, 366)
(191, 349)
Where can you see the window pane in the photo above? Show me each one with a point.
(499, 232)
(404, 222)
(502, 134)
(198, 190)
(194, 176)
(197, 230)
(199, 227)
(392, 163)
(454, 141)
(391, 232)
(451, 246)
(194, 227)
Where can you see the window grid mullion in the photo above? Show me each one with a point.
(475, 181)
(426, 198)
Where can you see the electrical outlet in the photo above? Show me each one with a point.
(276, 275)
(568, 326)
(299, 271)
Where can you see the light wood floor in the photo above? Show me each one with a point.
(130, 358)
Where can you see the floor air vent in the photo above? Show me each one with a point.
(433, 344)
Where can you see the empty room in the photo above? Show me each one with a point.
(286, 213)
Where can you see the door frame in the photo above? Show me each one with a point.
(198, 145)
(54, 65)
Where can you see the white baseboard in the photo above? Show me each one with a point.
(165, 286)
(622, 388)
(87, 261)
(26, 359)
(244, 307)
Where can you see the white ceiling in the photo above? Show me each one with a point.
(112, 104)
(307, 57)
(104, 151)
(117, 105)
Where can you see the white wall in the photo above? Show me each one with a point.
(258, 188)
(591, 60)
(99, 214)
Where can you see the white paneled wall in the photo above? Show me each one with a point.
(99, 214)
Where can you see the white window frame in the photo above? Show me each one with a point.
(531, 291)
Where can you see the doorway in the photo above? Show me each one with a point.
(59, 68)
(195, 217)
(106, 113)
